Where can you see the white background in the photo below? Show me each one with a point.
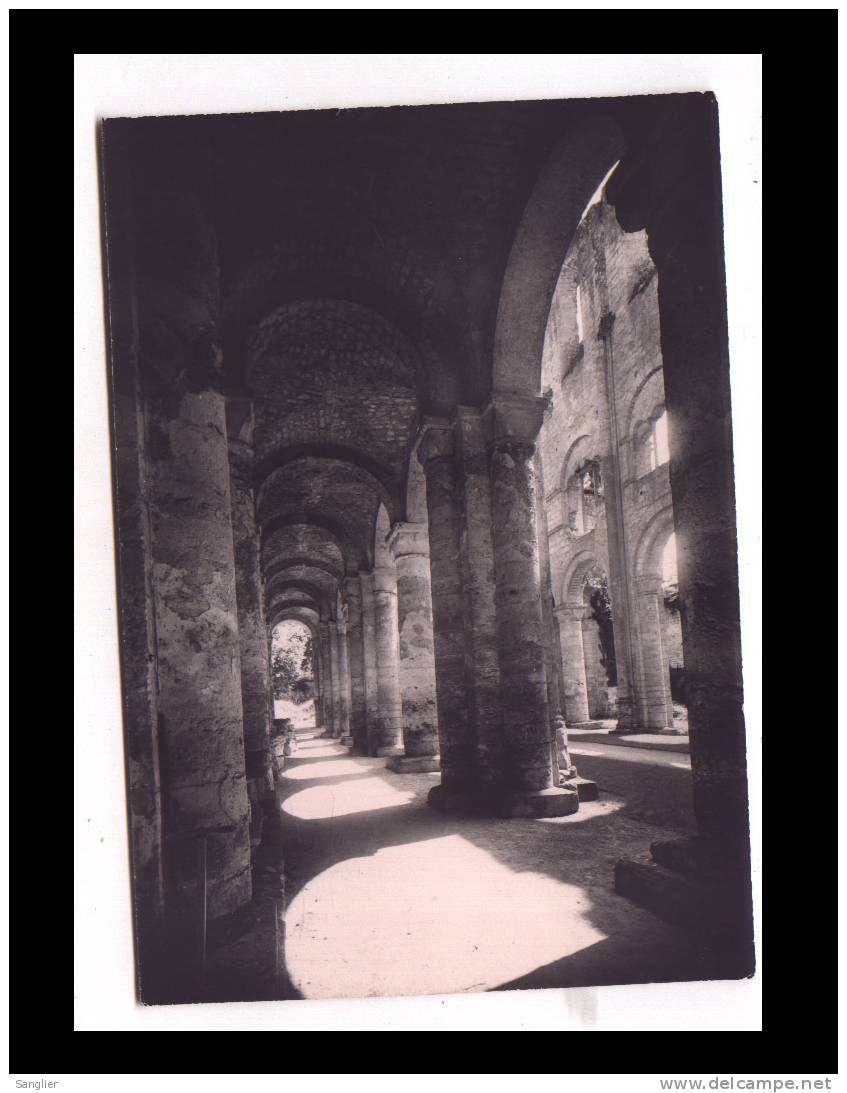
(132, 84)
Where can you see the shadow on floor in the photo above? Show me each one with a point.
(322, 830)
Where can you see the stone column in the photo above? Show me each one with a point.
(336, 679)
(366, 581)
(476, 554)
(318, 676)
(205, 806)
(327, 679)
(197, 644)
(529, 735)
(252, 628)
(344, 681)
(409, 545)
(436, 455)
(358, 723)
(573, 662)
(390, 705)
(655, 680)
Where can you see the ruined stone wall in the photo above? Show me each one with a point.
(602, 370)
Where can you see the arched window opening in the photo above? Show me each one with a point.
(650, 444)
(293, 673)
(590, 496)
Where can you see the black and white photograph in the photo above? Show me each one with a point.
(421, 444)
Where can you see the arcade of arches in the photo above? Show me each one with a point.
(447, 385)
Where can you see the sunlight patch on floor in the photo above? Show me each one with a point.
(364, 794)
(306, 772)
(436, 916)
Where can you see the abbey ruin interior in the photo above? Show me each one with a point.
(447, 389)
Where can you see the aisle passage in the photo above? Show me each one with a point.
(386, 897)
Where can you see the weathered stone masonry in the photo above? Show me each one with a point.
(425, 417)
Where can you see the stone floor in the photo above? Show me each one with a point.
(386, 897)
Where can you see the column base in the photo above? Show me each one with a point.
(690, 885)
(555, 801)
(389, 750)
(413, 764)
(456, 801)
(585, 788)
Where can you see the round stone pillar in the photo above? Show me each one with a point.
(529, 736)
(191, 565)
(344, 683)
(356, 652)
(252, 629)
(366, 581)
(389, 736)
(332, 632)
(198, 657)
(436, 455)
(575, 695)
(654, 682)
(327, 679)
(409, 545)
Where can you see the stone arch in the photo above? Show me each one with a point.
(577, 165)
(330, 372)
(309, 615)
(293, 561)
(646, 406)
(355, 555)
(578, 569)
(383, 481)
(651, 542)
(437, 344)
(281, 584)
(581, 452)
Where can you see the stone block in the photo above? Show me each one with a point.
(585, 788)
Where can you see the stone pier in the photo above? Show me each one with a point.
(409, 545)
(371, 672)
(252, 626)
(436, 455)
(389, 733)
(531, 787)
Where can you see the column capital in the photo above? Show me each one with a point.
(436, 441)
(573, 611)
(408, 538)
(512, 421)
